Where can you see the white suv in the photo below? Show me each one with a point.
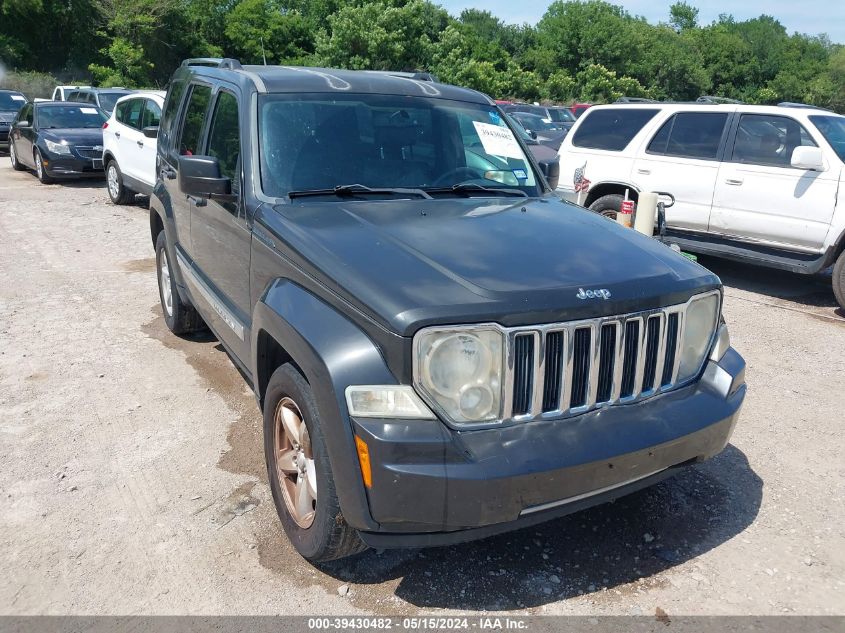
(762, 184)
(129, 145)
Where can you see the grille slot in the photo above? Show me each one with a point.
(554, 371)
(607, 359)
(89, 152)
(630, 357)
(565, 369)
(523, 373)
(671, 348)
(580, 367)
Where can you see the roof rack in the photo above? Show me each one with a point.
(791, 104)
(716, 100)
(214, 62)
(635, 100)
(419, 75)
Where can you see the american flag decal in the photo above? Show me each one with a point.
(578, 179)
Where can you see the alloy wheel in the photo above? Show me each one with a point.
(39, 167)
(295, 466)
(113, 183)
(164, 280)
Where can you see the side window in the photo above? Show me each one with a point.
(120, 111)
(224, 139)
(171, 107)
(766, 139)
(152, 114)
(26, 113)
(57, 95)
(611, 129)
(192, 124)
(73, 96)
(690, 135)
(133, 115)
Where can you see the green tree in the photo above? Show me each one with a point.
(259, 29)
(683, 17)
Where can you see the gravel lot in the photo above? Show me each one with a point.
(133, 478)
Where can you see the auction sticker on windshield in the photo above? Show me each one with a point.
(18, 98)
(497, 140)
(88, 110)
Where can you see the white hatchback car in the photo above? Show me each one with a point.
(761, 184)
(129, 145)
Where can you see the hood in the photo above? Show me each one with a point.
(514, 261)
(7, 116)
(75, 136)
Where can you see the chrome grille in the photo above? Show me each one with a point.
(565, 369)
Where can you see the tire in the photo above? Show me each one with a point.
(16, 164)
(608, 205)
(317, 529)
(839, 280)
(180, 317)
(118, 192)
(40, 171)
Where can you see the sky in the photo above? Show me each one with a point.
(807, 16)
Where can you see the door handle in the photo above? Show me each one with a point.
(117, 134)
(733, 181)
(140, 143)
(199, 202)
(643, 171)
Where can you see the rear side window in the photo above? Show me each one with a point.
(224, 140)
(152, 114)
(129, 112)
(690, 135)
(763, 139)
(611, 129)
(194, 121)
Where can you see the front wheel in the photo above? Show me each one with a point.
(608, 205)
(41, 170)
(16, 164)
(180, 317)
(300, 475)
(839, 280)
(118, 192)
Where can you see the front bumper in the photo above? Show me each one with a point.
(433, 486)
(72, 166)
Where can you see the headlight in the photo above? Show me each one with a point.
(57, 148)
(699, 324)
(460, 370)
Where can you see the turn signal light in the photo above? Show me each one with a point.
(364, 460)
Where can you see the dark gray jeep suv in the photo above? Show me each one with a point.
(442, 348)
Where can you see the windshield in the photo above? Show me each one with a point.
(70, 116)
(534, 123)
(11, 101)
(108, 99)
(833, 130)
(561, 115)
(320, 141)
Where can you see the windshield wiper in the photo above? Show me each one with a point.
(468, 187)
(357, 189)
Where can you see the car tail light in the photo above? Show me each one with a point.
(105, 125)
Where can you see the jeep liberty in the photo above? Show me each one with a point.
(442, 348)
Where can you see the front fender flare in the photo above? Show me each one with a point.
(333, 353)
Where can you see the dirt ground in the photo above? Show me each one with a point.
(133, 481)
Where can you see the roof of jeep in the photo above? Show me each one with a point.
(300, 79)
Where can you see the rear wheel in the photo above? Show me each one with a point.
(40, 170)
(16, 164)
(839, 280)
(300, 475)
(608, 205)
(180, 317)
(118, 192)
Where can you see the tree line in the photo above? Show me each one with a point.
(579, 50)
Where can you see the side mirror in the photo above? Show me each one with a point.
(804, 157)
(23, 123)
(551, 170)
(151, 131)
(199, 176)
(532, 134)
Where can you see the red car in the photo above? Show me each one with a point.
(578, 108)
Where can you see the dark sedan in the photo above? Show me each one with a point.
(10, 102)
(58, 140)
(548, 134)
